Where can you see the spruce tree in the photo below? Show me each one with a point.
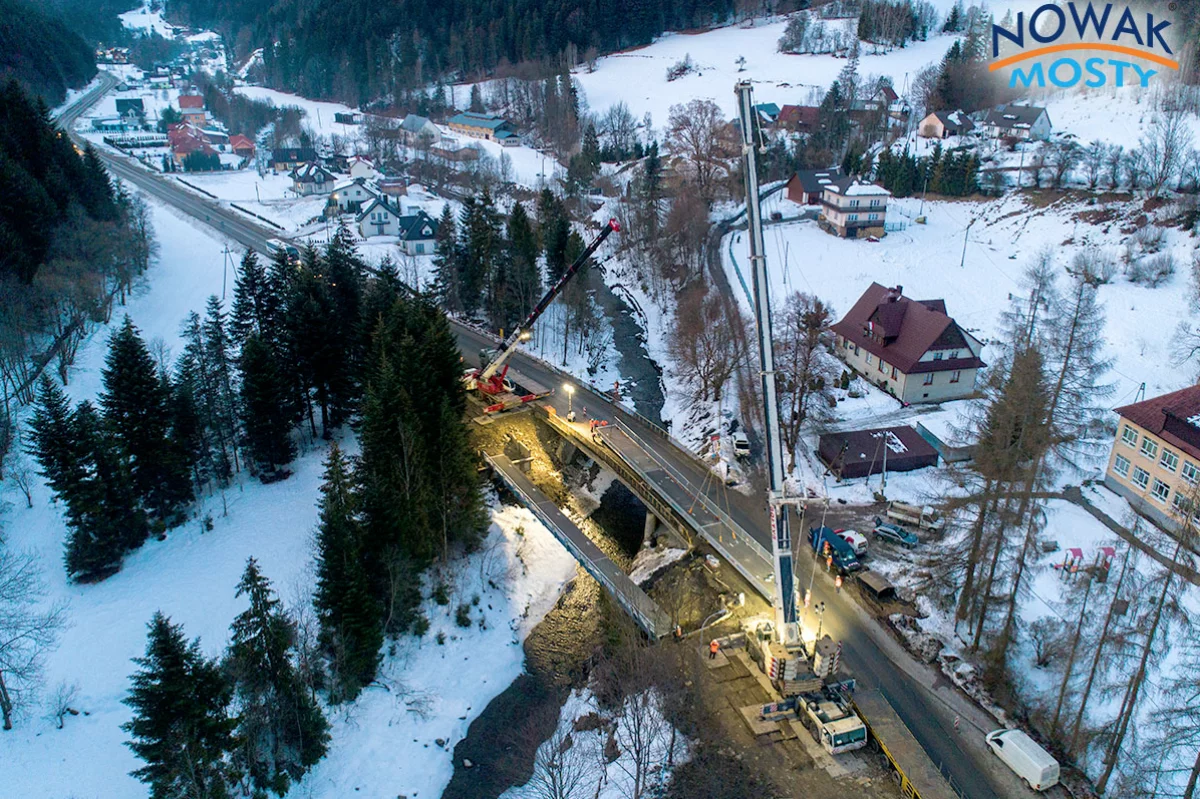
(281, 731)
(524, 277)
(103, 511)
(446, 264)
(55, 444)
(555, 228)
(180, 725)
(137, 411)
(221, 401)
(349, 613)
(254, 301)
(265, 412)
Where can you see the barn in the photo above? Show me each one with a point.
(859, 453)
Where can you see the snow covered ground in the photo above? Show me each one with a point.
(383, 744)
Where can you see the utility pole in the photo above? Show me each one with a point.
(225, 271)
(966, 233)
(786, 623)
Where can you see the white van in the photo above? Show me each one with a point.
(741, 445)
(856, 540)
(1022, 754)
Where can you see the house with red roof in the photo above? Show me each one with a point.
(1155, 459)
(191, 108)
(241, 146)
(911, 349)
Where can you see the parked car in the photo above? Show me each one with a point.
(894, 533)
(856, 540)
(1030, 762)
(741, 445)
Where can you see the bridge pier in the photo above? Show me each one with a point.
(649, 530)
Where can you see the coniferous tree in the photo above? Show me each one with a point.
(446, 280)
(481, 245)
(55, 444)
(221, 401)
(103, 511)
(180, 725)
(137, 411)
(349, 614)
(524, 278)
(476, 100)
(281, 731)
(554, 226)
(254, 302)
(265, 409)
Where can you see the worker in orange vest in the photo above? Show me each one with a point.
(713, 648)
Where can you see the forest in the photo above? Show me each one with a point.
(42, 52)
(356, 50)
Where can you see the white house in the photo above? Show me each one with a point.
(416, 128)
(352, 195)
(1018, 121)
(312, 179)
(379, 219)
(418, 234)
(360, 166)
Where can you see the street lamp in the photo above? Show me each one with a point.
(570, 389)
(820, 609)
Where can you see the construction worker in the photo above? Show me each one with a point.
(713, 647)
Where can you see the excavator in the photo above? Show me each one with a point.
(491, 379)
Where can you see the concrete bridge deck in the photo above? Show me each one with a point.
(648, 615)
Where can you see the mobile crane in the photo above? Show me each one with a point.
(490, 379)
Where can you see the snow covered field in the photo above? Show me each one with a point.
(383, 744)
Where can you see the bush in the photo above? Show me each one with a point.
(1095, 266)
(1149, 238)
(440, 638)
(441, 594)
(420, 625)
(1151, 272)
(681, 68)
(462, 616)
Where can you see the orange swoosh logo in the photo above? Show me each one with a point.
(1060, 48)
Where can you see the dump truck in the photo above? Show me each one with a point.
(924, 517)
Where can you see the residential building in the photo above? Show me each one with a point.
(416, 129)
(132, 109)
(379, 218)
(910, 348)
(241, 145)
(394, 188)
(286, 159)
(360, 166)
(191, 108)
(853, 209)
(767, 113)
(799, 118)
(1155, 459)
(1017, 121)
(418, 234)
(312, 178)
(943, 125)
(351, 196)
(806, 186)
(482, 126)
(455, 151)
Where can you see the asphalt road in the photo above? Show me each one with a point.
(869, 653)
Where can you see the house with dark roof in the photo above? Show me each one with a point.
(1155, 459)
(767, 113)
(416, 234)
(312, 179)
(483, 126)
(131, 108)
(285, 159)
(799, 118)
(944, 124)
(806, 186)
(1017, 121)
(911, 349)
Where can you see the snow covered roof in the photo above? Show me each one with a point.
(1013, 116)
(860, 189)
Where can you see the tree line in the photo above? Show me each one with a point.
(356, 52)
(954, 173)
(38, 49)
(73, 246)
(308, 340)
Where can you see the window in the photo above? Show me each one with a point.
(955, 376)
(893, 373)
(420, 248)
(1160, 491)
(929, 378)
(1170, 461)
(937, 356)
(853, 217)
(874, 203)
(856, 351)
(1129, 436)
(1149, 448)
(1141, 477)
(854, 203)
(882, 365)
(954, 354)
(1191, 472)
(870, 359)
(872, 217)
(1121, 466)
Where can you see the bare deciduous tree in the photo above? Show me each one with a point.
(566, 766)
(703, 142)
(704, 344)
(28, 630)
